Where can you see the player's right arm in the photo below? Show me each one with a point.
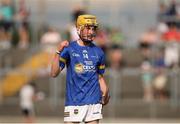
(55, 68)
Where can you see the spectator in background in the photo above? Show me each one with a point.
(78, 10)
(22, 23)
(178, 14)
(172, 12)
(162, 14)
(147, 39)
(102, 39)
(160, 80)
(147, 78)
(27, 98)
(23, 38)
(114, 74)
(162, 28)
(172, 55)
(159, 84)
(50, 39)
(115, 58)
(117, 37)
(28, 95)
(169, 14)
(6, 23)
(172, 34)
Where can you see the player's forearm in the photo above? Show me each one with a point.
(103, 86)
(55, 70)
(105, 91)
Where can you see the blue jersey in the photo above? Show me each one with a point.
(84, 64)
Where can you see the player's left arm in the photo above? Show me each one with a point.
(103, 85)
(104, 90)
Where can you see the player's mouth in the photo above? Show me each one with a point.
(91, 36)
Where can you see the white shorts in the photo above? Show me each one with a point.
(83, 113)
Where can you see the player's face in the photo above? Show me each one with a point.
(89, 33)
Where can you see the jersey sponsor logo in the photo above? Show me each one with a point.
(80, 68)
(88, 68)
(75, 55)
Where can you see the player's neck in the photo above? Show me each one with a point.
(81, 43)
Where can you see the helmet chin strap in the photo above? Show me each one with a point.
(86, 40)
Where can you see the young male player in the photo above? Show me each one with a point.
(86, 89)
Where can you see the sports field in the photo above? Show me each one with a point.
(18, 119)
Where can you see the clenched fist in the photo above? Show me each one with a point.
(61, 46)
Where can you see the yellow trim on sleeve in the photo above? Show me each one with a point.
(102, 67)
(62, 60)
(100, 75)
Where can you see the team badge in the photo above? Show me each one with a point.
(79, 68)
(75, 111)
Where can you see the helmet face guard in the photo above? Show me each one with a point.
(84, 21)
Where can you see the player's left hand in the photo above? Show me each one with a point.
(105, 99)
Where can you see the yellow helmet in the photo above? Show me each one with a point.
(84, 20)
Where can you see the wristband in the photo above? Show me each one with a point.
(58, 52)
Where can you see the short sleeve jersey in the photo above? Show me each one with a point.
(84, 64)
